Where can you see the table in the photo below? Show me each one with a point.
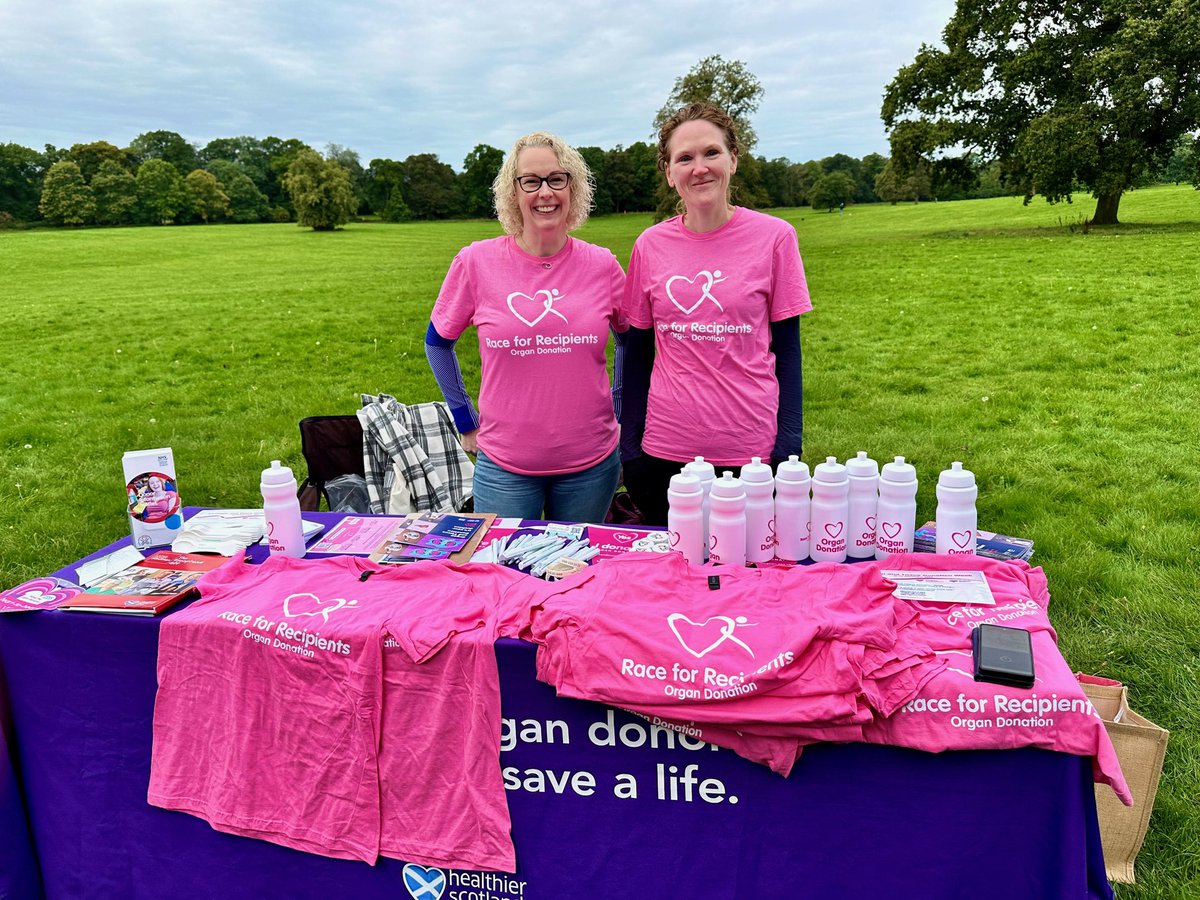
(852, 820)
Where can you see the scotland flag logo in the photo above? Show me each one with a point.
(423, 883)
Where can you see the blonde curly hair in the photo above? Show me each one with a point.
(504, 188)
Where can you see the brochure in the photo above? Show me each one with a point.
(39, 593)
(147, 587)
(356, 535)
(987, 543)
(418, 536)
(941, 587)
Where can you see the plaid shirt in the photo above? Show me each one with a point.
(419, 444)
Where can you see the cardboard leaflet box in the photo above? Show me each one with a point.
(152, 497)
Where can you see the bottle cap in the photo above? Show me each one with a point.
(899, 471)
(830, 471)
(791, 469)
(277, 474)
(700, 468)
(728, 486)
(757, 472)
(685, 483)
(862, 466)
(956, 477)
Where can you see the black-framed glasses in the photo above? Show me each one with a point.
(531, 183)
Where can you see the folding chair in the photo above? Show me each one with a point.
(332, 446)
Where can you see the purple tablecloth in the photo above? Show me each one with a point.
(851, 821)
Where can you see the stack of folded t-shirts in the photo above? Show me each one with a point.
(762, 661)
(953, 711)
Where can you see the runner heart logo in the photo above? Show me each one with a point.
(834, 529)
(532, 310)
(688, 293)
(962, 538)
(295, 605)
(707, 635)
(891, 529)
(423, 883)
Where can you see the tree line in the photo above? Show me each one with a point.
(161, 178)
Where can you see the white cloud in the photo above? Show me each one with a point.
(395, 77)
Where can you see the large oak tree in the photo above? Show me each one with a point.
(1066, 94)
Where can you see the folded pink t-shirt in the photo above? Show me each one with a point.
(952, 711)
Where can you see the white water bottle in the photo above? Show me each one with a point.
(759, 485)
(792, 509)
(896, 519)
(863, 473)
(281, 508)
(727, 521)
(956, 516)
(706, 473)
(830, 511)
(685, 516)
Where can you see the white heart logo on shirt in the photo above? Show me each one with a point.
(699, 632)
(531, 310)
(310, 605)
(686, 289)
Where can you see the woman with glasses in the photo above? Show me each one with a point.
(713, 298)
(543, 304)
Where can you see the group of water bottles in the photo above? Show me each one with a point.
(843, 511)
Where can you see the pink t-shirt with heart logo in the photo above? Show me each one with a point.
(543, 323)
(710, 299)
(302, 703)
(768, 661)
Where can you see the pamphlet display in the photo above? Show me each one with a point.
(152, 497)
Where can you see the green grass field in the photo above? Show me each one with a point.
(1063, 367)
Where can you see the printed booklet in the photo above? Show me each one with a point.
(147, 587)
(427, 535)
(987, 543)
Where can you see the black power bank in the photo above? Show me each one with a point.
(1003, 655)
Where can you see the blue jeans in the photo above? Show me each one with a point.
(575, 497)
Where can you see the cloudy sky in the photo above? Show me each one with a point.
(389, 78)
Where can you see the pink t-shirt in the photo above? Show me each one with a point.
(955, 712)
(543, 323)
(291, 707)
(769, 660)
(710, 299)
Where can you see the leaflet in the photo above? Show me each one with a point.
(941, 587)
